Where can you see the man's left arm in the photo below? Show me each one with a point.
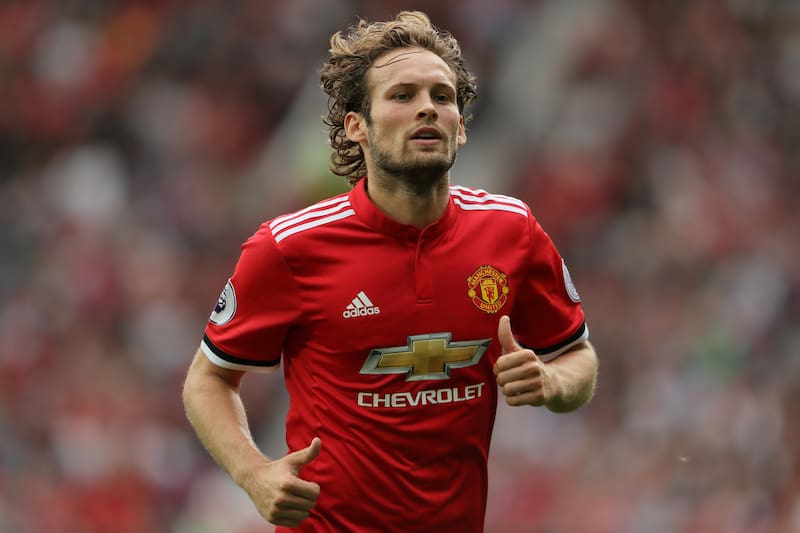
(562, 385)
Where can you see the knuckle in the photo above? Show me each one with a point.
(284, 485)
(280, 501)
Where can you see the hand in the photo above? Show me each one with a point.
(279, 494)
(523, 377)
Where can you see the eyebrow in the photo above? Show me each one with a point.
(411, 84)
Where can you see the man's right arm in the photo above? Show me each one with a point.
(215, 410)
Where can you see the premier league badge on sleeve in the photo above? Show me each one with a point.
(226, 306)
(572, 292)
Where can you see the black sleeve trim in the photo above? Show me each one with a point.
(570, 340)
(237, 360)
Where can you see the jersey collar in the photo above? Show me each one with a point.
(372, 216)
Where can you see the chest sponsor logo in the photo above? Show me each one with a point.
(400, 400)
(425, 357)
(488, 289)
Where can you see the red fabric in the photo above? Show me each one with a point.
(400, 451)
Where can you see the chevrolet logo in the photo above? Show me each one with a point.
(425, 357)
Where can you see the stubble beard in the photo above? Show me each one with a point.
(419, 175)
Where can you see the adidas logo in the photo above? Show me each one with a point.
(360, 306)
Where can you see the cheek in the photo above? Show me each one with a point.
(384, 127)
(386, 115)
(392, 123)
(453, 119)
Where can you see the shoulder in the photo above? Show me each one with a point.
(312, 218)
(480, 201)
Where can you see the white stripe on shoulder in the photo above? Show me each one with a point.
(312, 208)
(480, 200)
(480, 195)
(490, 207)
(297, 219)
(280, 235)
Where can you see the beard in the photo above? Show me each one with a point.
(418, 174)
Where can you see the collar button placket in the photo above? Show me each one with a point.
(423, 271)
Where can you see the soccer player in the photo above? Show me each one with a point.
(399, 311)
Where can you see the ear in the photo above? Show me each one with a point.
(462, 132)
(355, 127)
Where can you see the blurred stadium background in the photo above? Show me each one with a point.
(142, 141)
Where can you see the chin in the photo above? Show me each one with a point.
(420, 170)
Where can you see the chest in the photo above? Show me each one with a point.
(374, 291)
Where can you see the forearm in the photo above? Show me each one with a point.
(215, 411)
(573, 376)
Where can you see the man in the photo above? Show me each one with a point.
(391, 310)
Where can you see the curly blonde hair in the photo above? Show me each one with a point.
(352, 54)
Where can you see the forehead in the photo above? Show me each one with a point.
(409, 66)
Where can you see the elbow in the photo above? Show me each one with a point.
(562, 405)
(581, 388)
(188, 394)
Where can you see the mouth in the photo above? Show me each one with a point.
(426, 135)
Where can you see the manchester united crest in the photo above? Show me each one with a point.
(488, 289)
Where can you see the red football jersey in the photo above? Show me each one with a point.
(387, 336)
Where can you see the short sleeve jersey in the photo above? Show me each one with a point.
(387, 335)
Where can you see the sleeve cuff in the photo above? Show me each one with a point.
(550, 353)
(221, 359)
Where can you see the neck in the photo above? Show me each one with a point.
(411, 205)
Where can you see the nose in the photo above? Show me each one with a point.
(427, 109)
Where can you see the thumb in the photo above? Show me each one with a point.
(301, 458)
(507, 341)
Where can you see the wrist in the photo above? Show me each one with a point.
(245, 472)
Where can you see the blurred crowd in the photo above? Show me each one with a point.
(653, 140)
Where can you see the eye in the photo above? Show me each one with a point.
(444, 98)
(402, 97)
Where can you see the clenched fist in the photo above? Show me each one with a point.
(523, 377)
(282, 497)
